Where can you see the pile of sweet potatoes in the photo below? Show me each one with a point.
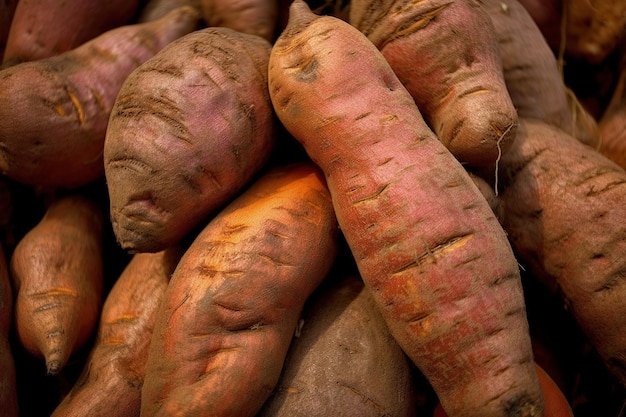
(311, 208)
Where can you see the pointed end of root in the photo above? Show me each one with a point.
(53, 367)
(300, 16)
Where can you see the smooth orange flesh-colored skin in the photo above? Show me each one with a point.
(8, 387)
(425, 240)
(564, 209)
(233, 303)
(54, 112)
(57, 272)
(452, 70)
(256, 17)
(113, 374)
(175, 155)
(44, 28)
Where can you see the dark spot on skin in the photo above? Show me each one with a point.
(308, 72)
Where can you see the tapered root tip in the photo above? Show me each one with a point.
(53, 367)
(525, 406)
(300, 16)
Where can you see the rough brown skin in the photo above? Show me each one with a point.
(612, 124)
(564, 209)
(113, 374)
(57, 273)
(44, 28)
(233, 303)
(8, 391)
(452, 70)
(532, 75)
(424, 238)
(54, 111)
(175, 155)
(344, 361)
(256, 17)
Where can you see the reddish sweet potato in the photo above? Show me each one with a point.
(256, 17)
(234, 300)
(44, 28)
(532, 75)
(155, 9)
(451, 68)
(189, 128)
(612, 124)
(57, 273)
(7, 9)
(425, 240)
(344, 361)
(113, 374)
(54, 111)
(556, 402)
(8, 392)
(564, 209)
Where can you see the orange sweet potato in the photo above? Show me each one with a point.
(425, 240)
(593, 28)
(44, 28)
(8, 391)
(57, 273)
(54, 111)
(563, 206)
(451, 68)
(234, 300)
(344, 361)
(174, 155)
(113, 375)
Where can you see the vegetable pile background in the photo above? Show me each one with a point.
(276, 208)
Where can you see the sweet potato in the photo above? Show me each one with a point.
(532, 75)
(8, 392)
(564, 209)
(255, 17)
(44, 28)
(593, 28)
(612, 123)
(155, 9)
(556, 402)
(57, 272)
(234, 300)
(451, 68)
(113, 375)
(54, 111)
(344, 362)
(189, 128)
(425, 240)
(7, 10)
